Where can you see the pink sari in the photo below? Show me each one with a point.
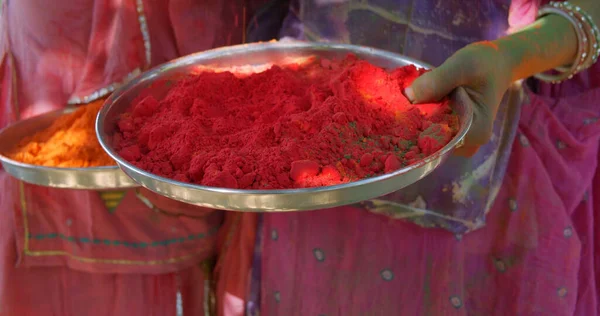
(536, 255)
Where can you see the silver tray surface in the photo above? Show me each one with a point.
(156, 82)
(96, 178)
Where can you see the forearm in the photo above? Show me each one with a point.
(546, 44)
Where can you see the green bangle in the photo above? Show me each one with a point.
(588, 40)
(582, 40)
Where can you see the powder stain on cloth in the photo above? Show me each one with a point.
(321, 123)
(70, 142)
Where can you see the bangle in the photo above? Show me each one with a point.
(589, 27)
(588, 40)
(571, 70)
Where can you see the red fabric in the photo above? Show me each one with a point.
(50, 261)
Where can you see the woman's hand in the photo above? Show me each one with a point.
(483, 72)
(486, 69)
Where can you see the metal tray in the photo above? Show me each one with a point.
(157, 81)
(97, 178)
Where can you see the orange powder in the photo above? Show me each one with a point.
(70, 142)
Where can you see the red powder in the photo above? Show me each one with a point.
(321, 123)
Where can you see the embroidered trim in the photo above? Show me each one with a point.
(116, 261)
(7, 55)
(99, 241)
(112, 199)
(144, 30)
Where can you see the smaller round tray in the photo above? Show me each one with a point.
(97, 178)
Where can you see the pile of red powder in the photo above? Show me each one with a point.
(320, 123)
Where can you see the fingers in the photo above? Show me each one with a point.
(483, 85)
(437, 83)
(440, 82)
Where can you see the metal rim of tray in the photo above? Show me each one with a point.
(268, 200)
(94, 178)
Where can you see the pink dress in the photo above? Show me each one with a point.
(513, 233)
(70, 252)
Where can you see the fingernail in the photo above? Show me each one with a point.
(409, 94)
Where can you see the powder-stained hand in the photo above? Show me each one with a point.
(483, 72)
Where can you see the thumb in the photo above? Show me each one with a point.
(435, 84)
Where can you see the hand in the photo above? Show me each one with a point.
(482, 71)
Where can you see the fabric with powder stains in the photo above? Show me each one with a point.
(458, 194)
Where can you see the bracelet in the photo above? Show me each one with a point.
(588, 40)
(590, 27)
(571, 70)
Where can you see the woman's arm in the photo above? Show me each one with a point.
(548, 43)
(486, 69)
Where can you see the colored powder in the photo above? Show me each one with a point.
(70, 142)
(320, 123)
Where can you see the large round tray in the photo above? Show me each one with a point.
(98, 178)
(156, 82)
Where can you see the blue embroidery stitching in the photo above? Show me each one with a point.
(86, 240)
